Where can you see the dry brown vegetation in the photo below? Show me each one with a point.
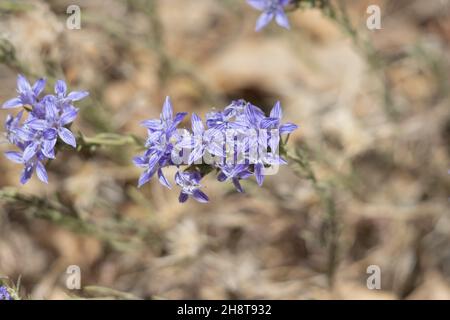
(374, 116)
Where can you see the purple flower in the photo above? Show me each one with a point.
(234, 173)
(31, 163)
(220, 121)
(253, 116)
(270, 9)
(266, 134)
(202, 141)
(28, 94)
(12, 126)
(236, 108)
(166, 125)
(35, 143)
(55, 123)
(276, 129)
(41, 135)
(160, 142)
(274, 121)
(189, 181)
(150, 164)
(47, 121)
(65, 100)
(244, 141)
(4, 294)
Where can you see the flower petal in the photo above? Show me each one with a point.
(41, 172)
(60, 88)
(140, 161)
(287, 128)
(162, 179)
(153, 138)
(144, 178)
(24, 134)
(47, 109)
(263, 20)
(276, 111)
(27, 172)
(48, 148)
(30, 151)
(67, 136)
(154, 124)
(167, 113)
(281, 19)
(178, 118)
(186, 142)
(50, 134)
(222, 177)
(68, 116)
(178, 178)
(23, 85)
(274, 141)
(269, 123)
(195, 176)
(14, 156)
(197, 124)
(196, 154)
(38, 86)
(259, 174)
(200, 196)
(12, 103)
(244, 174)
(153, 161)
(36, 124)
(258, 4)
(77, 95)
(237, 185)
(253, 114)
(183, 197)
(216, 148)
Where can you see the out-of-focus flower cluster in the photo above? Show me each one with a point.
(236, 143)
(41, 123)
(270, 9)
(4, 294)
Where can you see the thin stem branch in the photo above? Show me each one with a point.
(121, 235)
(324, 192)
(108, 139)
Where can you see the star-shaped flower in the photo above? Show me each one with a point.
(28, 94)
(189, 181)
(270, 9)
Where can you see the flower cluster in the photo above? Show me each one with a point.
(4, 294)
(270, 9)
(47, 121)
(237, 143)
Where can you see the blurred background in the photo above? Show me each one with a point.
(370, 186)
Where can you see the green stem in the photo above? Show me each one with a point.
(121, 235)
(108, 139)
